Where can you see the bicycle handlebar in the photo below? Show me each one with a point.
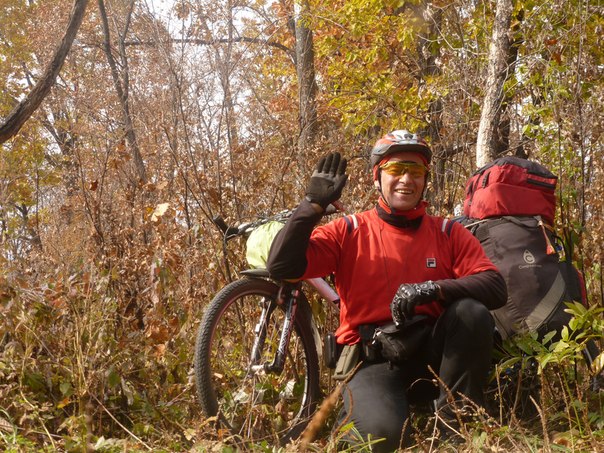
(247, 227)
(228, 231)
(220, 223)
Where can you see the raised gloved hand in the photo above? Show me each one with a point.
(327, 181)
(410, 295)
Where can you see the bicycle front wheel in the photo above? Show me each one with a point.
(251, 403)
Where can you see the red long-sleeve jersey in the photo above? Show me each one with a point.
(371, 258)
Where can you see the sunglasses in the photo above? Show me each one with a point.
(397, 168)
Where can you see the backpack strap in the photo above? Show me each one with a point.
(352, 223)
(482, 232)
(473, 226)
(447, 226)
(548, 304)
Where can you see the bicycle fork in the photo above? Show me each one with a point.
(288, 298)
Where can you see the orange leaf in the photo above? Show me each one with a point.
(64, 402)
(160, 349)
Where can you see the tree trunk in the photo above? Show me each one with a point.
(307, 86)
(25, 109)
(427, 53)
(122, 87)
(486, 149)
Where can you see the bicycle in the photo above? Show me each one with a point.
(257, 352)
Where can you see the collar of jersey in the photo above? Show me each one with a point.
(402, 219)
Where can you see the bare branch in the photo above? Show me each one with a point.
(23, 111)
(122, 85)
(209, 42)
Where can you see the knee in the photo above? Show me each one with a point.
(468, 308)
(473, 315)
(379, 423)
(388, 431)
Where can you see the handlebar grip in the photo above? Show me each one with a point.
(226, 230)
(220, 223)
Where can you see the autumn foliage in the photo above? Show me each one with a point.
(167, 114)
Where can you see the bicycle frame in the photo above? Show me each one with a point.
(288, 299)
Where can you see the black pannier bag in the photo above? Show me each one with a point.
(538, 283)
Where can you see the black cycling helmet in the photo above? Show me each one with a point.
(397, 141)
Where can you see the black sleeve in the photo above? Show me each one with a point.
(287, 256)
(488, 287)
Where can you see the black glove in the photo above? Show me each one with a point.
(410, 295)
(327, 181)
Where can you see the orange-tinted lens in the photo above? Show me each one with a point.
(396, 168)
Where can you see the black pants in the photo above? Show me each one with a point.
(459, 350)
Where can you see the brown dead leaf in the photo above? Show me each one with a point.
(160, 349)
(158, 333)
(6, 426)
(59, 303)
(565, 439)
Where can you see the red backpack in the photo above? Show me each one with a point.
(511, 186)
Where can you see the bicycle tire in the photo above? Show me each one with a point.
(255, 407)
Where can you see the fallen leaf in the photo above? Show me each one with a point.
(160, 210)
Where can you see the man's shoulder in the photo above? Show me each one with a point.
(450, 226)
(367, 215)
(436, 220)
(354, 221)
